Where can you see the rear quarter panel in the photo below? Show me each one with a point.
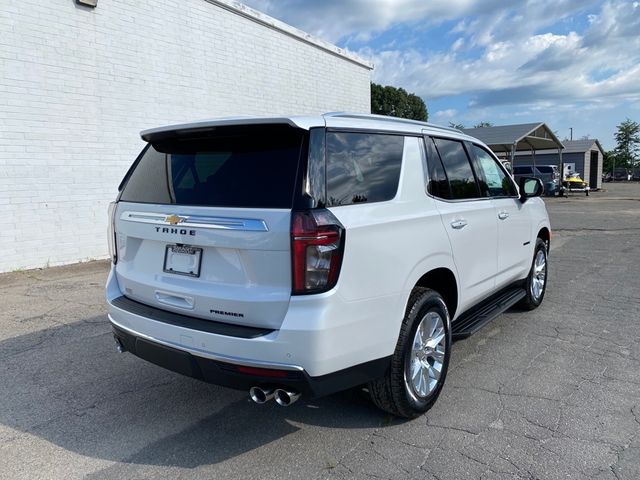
(389, 246)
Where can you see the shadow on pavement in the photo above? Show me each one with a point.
(68, 386)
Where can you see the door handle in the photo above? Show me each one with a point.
(503, 215)
(458, 224)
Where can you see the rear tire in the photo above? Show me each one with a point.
(536, 283)
(419, 364)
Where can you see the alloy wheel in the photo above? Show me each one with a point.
(425, 361)
(539, 275)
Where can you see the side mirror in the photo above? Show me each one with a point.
(530, 187)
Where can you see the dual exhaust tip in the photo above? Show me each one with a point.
(119, 345)
(283, 397)
(258, 394)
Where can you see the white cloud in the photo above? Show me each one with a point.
(446, 114)
(340, 19)
(528, 68)
(458, 44)
(555, 60)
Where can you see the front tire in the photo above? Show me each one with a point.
(536, 282)
(419, 364)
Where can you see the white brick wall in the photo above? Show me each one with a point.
(77, 85)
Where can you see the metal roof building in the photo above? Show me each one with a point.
(584, 156)
(506, 140)
(535, 143)
(581, 146)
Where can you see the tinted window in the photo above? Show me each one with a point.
(362, 167)
(545, 169)
(495, 183)
(316, 167)
(456, 165)
(438, 184)
(230, 167)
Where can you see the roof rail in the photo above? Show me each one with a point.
(372, 116)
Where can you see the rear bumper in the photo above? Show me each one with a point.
(320, 334)
(318, 356)
(231, 375)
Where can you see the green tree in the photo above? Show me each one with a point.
(397, 102)
(627, 143)
(483, 125)
(609, 161)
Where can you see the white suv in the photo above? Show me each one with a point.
(307, 255)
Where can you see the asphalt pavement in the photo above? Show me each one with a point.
(550, 394)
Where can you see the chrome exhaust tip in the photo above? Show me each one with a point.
(261, 395)
(285, 397)
(119, 346)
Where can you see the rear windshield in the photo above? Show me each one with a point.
(545, 169)
(228, 167)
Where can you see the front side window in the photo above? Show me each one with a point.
(362, 167)
(438, 185)
(495, 182)
(458, 169)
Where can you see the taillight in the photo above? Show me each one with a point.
(111, 233)
(317, 244)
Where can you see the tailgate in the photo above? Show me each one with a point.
(203, 223)
(220, 264)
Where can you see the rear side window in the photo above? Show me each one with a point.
(362, 167)
(458, 169)
(545, 169)
(228, 167)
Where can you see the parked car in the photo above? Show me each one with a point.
(635, 176)
(301, 256)
(620, 175)
(549, 174)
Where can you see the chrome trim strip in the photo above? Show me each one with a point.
(197, 221)
(206, 354)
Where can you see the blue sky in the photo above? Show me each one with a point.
(569, 63)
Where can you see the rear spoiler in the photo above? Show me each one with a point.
(159, 133)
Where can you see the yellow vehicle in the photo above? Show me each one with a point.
(574, 183)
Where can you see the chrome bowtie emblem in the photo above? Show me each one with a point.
(174, 219)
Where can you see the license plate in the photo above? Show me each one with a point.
(183, 260)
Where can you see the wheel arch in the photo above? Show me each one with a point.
(443, 281)
(545, 235)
